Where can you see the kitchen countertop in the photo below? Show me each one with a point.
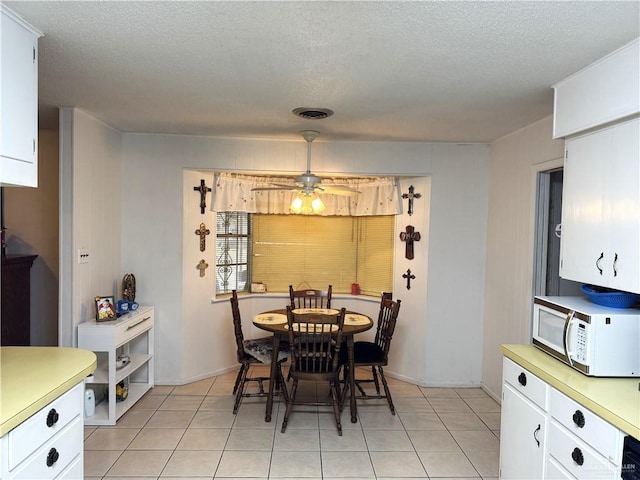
(616, 400)
(32, 377)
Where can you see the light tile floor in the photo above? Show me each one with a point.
(190, 432)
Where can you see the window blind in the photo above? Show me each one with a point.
(321, 251)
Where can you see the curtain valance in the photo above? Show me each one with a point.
(233, 193)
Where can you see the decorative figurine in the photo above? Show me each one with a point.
(129, 287)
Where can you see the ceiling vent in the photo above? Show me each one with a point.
(312, 113)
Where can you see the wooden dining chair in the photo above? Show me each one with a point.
(374, 354)
(310, 298)
(249, 353)
(314, 343)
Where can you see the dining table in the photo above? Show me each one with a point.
(275, 321)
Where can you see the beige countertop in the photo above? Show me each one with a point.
(617, 400)
(32, 377)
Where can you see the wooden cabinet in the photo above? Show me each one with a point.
(601, 208)
(16, 299)
(605, 91)
(523, 423)
(19, 106)
(49, 444)
(131, 335)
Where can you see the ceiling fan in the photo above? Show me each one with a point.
(308, 183)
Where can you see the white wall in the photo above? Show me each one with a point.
(153, 243)
(509, 258)
(31, 217)
(90, 205)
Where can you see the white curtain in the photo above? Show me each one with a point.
(378, 195)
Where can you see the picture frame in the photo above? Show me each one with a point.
(105, 308)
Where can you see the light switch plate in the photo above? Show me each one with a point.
(83, 255)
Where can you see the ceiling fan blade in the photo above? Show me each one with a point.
(272, 188)
(338, 190)
(276, 186)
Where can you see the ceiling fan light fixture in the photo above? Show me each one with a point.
(307, 204)
(312, 113)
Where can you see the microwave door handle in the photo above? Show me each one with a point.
(565, 336)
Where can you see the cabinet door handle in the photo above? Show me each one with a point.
(52, 457)
(577, 456)
(138, 323)
(598, 262)
(522, 379)
(615, 266)
(578, 418)
(52, 418)
(535, 435)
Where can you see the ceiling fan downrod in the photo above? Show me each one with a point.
(308, 179)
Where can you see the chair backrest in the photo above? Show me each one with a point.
(237, 326)
(314, 342)
(386, 296)
(387, 318)
(310, 298)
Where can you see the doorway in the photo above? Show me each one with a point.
(548, 232)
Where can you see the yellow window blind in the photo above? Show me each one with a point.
(321, 251)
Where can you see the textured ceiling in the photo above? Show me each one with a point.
(407, 71)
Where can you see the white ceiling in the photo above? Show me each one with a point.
(460, 71)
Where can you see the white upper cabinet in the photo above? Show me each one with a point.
(605, 91)
(19, 105)
(601, 208)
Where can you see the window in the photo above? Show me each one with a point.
(283, 250)
(318, 251)
(232, 251)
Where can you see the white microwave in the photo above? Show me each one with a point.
(595, 340)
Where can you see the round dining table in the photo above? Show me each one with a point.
(275, 321)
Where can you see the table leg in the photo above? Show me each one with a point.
(272, 376)
(352, 379)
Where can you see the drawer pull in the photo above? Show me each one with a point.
(52, 418)
(52, 457)
(136, 324)
(522, 378)
(577, 456)
(578, 419)
(535, 435)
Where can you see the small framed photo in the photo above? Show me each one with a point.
(105, 309)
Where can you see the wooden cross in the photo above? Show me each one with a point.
(203, 189)
(411, 196)
(202, 266)
(409, 236)
(203, 231)
(409, 277)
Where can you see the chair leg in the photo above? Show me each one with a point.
(375, 380)
(240, 390)
(335, 395)
(387, 392)
(235, 386)
(290, 401)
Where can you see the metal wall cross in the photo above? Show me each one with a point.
(203, 189)
(409, 236)
(411, 196)
(202, 266)
(409, 277)
(203, 231)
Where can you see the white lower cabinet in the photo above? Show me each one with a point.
(574, 443)
(49, 444)
(523, 423)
